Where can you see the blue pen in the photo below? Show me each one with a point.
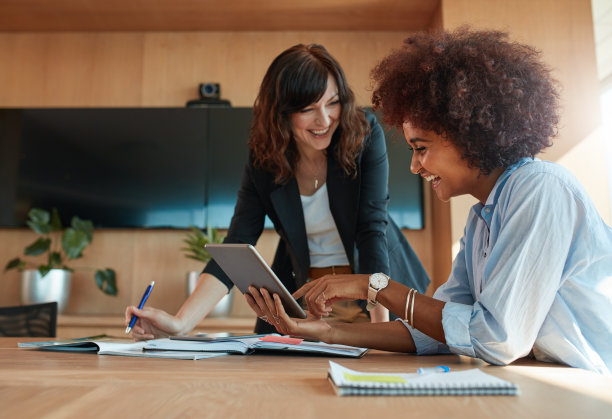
(439, 368)
(143, 300)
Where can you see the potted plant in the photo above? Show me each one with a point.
(50, 281)
(195, 240)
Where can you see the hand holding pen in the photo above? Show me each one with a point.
(143, 300)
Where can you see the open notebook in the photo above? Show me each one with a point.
(475, 382)
(104, 345)
(247, 345)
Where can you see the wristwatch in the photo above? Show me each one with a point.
(378, 281)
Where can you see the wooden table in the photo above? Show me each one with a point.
(56, 385)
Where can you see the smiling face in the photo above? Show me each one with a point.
(314, 125)
(439, 161)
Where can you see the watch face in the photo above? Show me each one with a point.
(379, 281)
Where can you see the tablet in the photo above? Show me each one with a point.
(245, 267)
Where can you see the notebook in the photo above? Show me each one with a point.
(248, 345)
(104, 345)
(473, 382)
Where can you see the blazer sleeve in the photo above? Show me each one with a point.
(247, 222)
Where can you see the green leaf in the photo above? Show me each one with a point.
(196, 239)
(85, 226)
(106, 281)
(39, 216)
(15, 264)
(44, 270)
(39, 221)
(56, 222)
(55, 259)
(73, 242)
(39, 228)
(38, 247)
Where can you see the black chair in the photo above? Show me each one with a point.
(37, 320)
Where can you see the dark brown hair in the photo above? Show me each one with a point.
(296, 79)
(492, 98)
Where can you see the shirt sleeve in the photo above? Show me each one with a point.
(522, 272)
(423, 343)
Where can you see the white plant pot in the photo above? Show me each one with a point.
(55, 286)
(223, 308)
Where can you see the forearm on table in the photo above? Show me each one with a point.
(426, 314)
(208, 292)
(388, 336)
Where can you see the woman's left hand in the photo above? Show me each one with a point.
(270, 309)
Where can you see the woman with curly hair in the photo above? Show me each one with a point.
(534, 272)
(318, 169)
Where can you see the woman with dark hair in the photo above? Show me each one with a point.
(318, 169)
(533, 274)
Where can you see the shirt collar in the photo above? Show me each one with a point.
(486, 211)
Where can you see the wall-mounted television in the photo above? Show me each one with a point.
(145, 167)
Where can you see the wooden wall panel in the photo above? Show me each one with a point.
(164, 69)
(71, 70)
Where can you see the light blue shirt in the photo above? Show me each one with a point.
(534, 272)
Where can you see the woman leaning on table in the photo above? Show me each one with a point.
(318, 169)
(533, 274)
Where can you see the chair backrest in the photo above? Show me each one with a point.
(37, 320)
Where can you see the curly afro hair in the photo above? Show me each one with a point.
(492, 98)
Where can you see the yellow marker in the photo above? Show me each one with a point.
(374, 378)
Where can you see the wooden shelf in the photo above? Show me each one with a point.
(214, 15)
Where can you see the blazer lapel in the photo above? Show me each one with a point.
(343, 193)
(288, 206)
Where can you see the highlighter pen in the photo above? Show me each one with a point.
(143, 300)
(439, 368)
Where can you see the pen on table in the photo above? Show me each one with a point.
(439, 368)
(143, 300)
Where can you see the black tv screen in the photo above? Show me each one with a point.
(116, 167)
(145, 167)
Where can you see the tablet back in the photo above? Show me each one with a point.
(245, 266)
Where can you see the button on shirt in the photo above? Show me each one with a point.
(534, 272)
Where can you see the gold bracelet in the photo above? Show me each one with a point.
(412, 310)
(407, 304)
(411, 292)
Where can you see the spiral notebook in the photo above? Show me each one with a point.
(473, 382)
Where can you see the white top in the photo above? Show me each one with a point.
(324, 243)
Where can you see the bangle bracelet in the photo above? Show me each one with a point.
(411, 292)
(407, 304)
(412, 310)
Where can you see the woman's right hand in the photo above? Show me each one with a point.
(152, 323)
(321, 293)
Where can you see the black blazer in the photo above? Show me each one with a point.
(372, 241)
